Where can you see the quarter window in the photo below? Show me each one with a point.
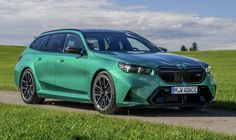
(40, 43)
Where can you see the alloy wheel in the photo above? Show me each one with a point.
(102, 93)
(27, 86)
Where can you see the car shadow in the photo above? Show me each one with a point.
(175, 112)
(144, 111)
(224, 105)
(70, 105)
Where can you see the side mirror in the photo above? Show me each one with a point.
(75, 50)
(163, 49)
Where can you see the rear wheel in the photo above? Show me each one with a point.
(28, 89)
(103, 94)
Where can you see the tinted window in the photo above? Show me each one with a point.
(93, 43)
(55, 43)
(73, 40)
(137, 45)
(119, 42)
(40, 43)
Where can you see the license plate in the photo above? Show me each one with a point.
(184, 90)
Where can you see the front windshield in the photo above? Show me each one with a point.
(119, 42)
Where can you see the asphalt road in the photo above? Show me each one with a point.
(223, 121)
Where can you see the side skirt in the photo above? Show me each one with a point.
(64, 96)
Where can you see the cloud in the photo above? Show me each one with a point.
(229, 46)
(22, 20)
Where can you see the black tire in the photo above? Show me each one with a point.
(28, 88)
(103, 94)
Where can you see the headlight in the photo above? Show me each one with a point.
(134, 69)
(208, 70)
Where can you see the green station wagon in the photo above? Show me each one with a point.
(111, 69)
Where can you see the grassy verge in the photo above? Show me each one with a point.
(8, 59)
(19, 122)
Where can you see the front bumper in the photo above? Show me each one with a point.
(163, 96)
(144, 90)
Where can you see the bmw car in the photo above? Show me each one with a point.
(111, 69)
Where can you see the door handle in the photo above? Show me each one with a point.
(60, 60)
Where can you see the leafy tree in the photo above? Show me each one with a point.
(183, 48)
(194, 47)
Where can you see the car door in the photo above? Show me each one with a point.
(45, 61)
(70, 68)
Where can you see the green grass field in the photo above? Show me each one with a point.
(223, 65)
(19, 122)
(8, 59)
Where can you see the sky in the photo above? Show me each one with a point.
(167, 23)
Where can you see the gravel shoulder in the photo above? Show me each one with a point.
(223, 121)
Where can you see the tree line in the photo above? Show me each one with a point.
(194, 47)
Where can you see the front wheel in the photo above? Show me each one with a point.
(103, 94)
(28, 89)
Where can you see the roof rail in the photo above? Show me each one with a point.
(60, 30)
(127, 31)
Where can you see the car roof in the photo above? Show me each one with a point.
(90, 30)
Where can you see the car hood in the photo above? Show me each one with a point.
(152, 60)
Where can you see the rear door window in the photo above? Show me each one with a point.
(55, 43)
